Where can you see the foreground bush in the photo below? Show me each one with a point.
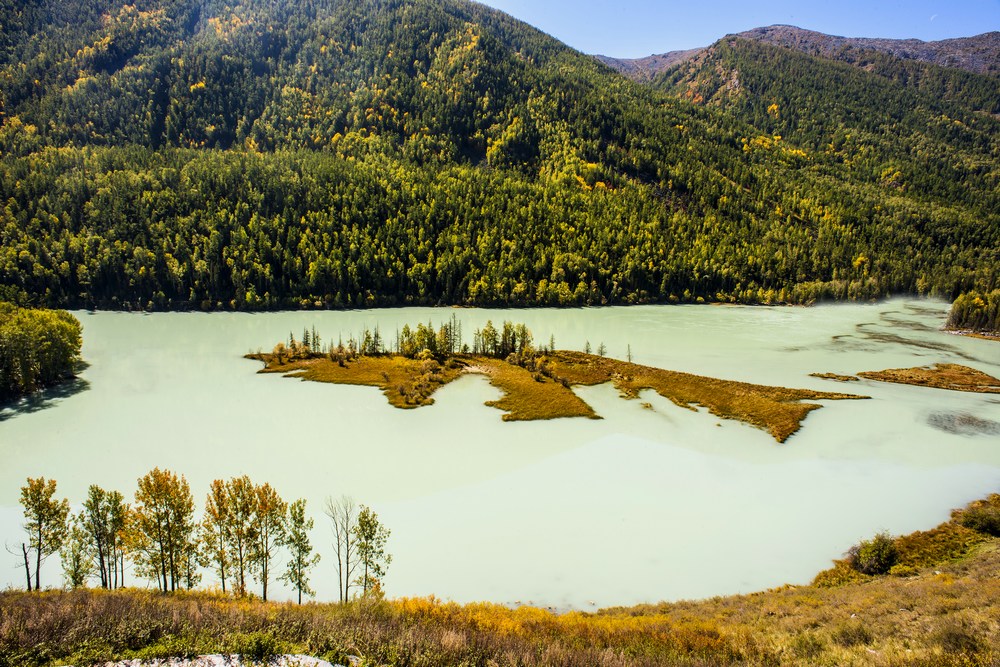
(874, 556)
(983, 516)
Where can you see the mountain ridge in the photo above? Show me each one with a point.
(979, 54)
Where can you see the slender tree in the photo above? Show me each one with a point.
(214, 532)
(77, 552)
(343, 515)
(241, 497)
(164, 511)
(269, 530)
(371, 537)
(104, 520)
(118, 514)
(300, 549)
(44, 522)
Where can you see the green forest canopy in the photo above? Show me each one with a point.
(37, 348)
(178, 153)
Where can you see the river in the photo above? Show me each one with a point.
(641, 506)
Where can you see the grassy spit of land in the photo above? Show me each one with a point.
(539, 386)
(940, 605)
(940, 376)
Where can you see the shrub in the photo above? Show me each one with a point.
(807, 645)
(852, 634)
(900, 570)
(956, 637)
(874, 556)
(841, 574)
(255, 645)
(983, 519)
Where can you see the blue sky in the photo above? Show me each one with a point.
(634, 28)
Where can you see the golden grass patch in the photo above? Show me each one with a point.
(777, 410)
(941, 376)
(835, 376)
(541, 387)
(407, 383)
(530, 395)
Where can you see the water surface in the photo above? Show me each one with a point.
(643, 505)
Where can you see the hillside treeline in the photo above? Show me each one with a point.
(976, 311)
(218, 154)
(37, 348)
(168, 229)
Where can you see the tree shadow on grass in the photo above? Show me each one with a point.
(44, 398)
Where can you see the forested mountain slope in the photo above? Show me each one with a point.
(178, 153)
(978, 55)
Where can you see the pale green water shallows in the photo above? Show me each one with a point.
(644, 505)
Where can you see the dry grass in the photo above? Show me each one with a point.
(530, 395)
(942, 376)
(835, 376)
(407, 383)
(540, 389)
(777, 410)
(945, 612)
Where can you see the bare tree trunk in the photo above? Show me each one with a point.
(38, 558)
(27, 567)
(263, 575)
(102, 565)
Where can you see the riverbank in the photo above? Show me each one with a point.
(940, 607)
(539, 387)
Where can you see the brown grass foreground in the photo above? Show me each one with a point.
(944, 611)
(540, 389)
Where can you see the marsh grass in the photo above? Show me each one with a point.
(406, 383)
(531, 395)
(941, 376)
(539, 387)
(777, 410)
(836, 377)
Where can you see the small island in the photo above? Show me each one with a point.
(536, 382)
(940, 376)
